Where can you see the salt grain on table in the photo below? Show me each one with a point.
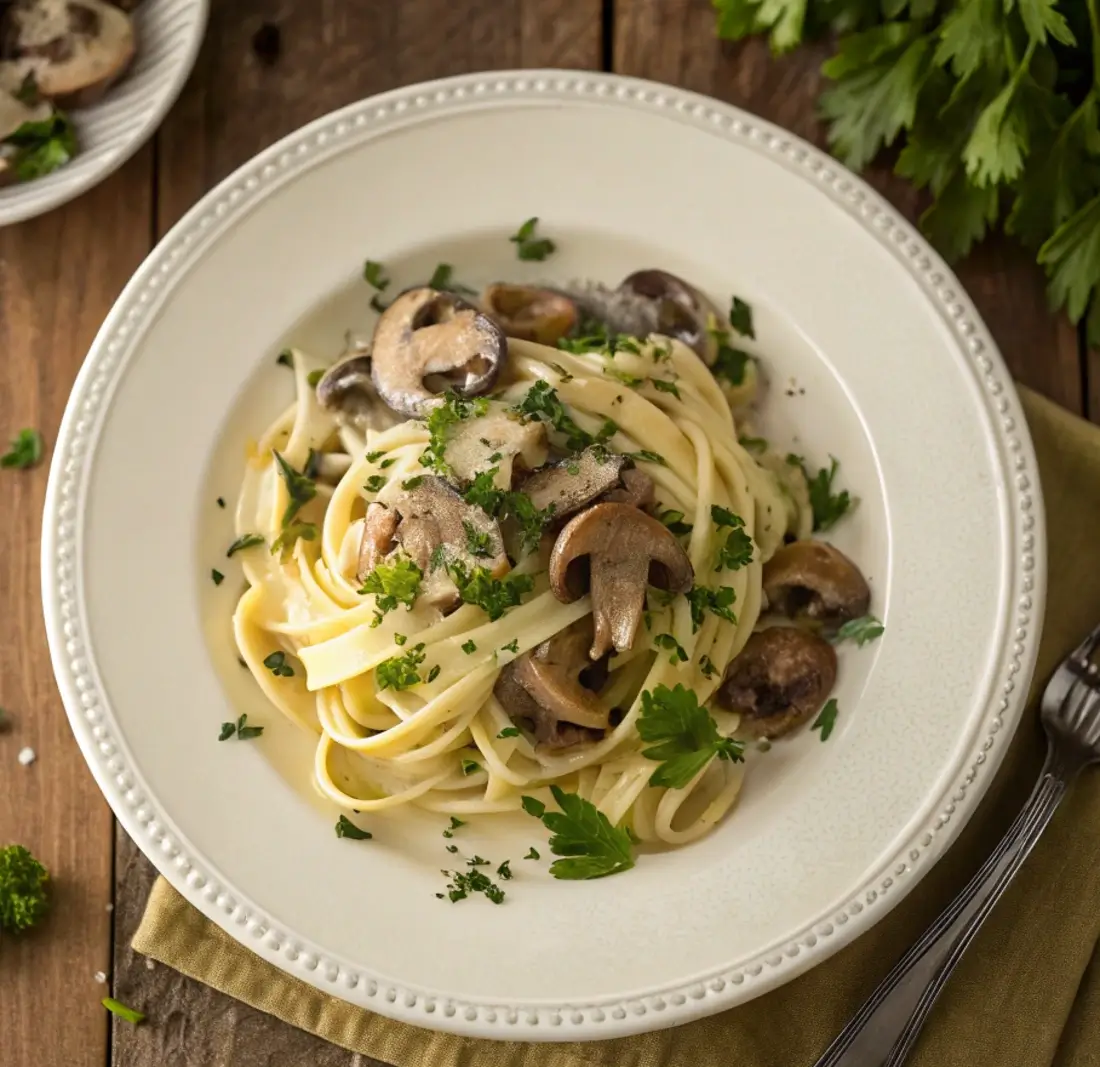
(26, 756)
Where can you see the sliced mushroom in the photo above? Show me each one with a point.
(531, 313)
(617, 310)
(682, 311)
(626, 550)
(814, 580)
(497, 439)
(379, 532)
(76, 49)
(546, 688)
(347, 390)
(637, 489)
(433, 517)
(780, 678)
(428, 341)
(575, 482)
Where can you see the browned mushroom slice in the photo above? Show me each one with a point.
(626, 550)
(379, 530)
(429, 341)
(576, 481)
(637, 490)
(436, 526)
(530, 313)
(545, 688)
(75, 49)
(347, 391)
(780, 678)
(682, 311)
(813, 580)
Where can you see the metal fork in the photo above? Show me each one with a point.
(886, 1027)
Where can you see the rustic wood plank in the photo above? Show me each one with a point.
(674, 41)
(265, 69)
(59, 275)
(1092, 374)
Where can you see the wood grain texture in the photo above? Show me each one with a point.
(267, 67)
(1092, 374)
(59, 275)
(674, 41)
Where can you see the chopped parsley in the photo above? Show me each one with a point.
(631, 381)
(477, 861)
(452, 848)
(25, 451)
(663, 386)
(441, 418)
(532, 854)
(542, 404)
(392, 584)
(387, 463)
(433, 674)
(583, 836)
(412, 483)
(314, 377)
(443, 279)
(736, 551)
(717, 601)
(493, 595)
(670, 644)
(512, 646)
(478, 542)
(304, 531)
(645, 456)
(463, 883)
(42, 145)
(346, 828)
(399, 639)
(755, 445)
(243, 542)
(116, 1007)
(730, 363)
(563, 375)
(674, 520)
(217, 577)
(277, 664)
(455, 824)
(470, 766)
(375, 483)
(828, 507)
(374, 274)
(682, 736)
(301, 490)
(220, 502)
(741, 317)
(239, 729)
(826, 720)
(528, 246)
(469, 647)
(504, 871)
(707, 667)
(374, 457)
(400, 672)
(508, 731)
(285, 358)
(861, 630)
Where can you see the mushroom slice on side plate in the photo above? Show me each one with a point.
(778, 680)
(496, 439)
(575, 482)
(347, 390)
(429, 341)
(626, 550)
(75, 49)
(543, 688)
(531, 313)
(437, 527)
(814, 581)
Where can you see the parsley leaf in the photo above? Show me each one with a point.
(277, 664)
(717, 601)
(736, 551)
(240, 729)
(682, 736)
(400, 672)
(469, 647)
(478, 542)
(670, 644)
(374, 274)
(443, 279)
(25, 451)
(583, 836)
(243, 542)
(542, 404)
(397, 582)
(300, 489)
(493, 595)
(508, 731)
(217, 577)
(663, 386)
(346, 828)
(470, 766)
(741, 317)
(828, 507)
(827, 719)
(463, 883)
(42, 146)
(528, 246)
(674, 520)
(861, 630)
(532, 854)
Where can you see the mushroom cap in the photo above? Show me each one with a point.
(682, 311)
(813, 580)
(779, 679)
(76, 49)
(426, 333)
(575, 481)
(637, 489)
(347, 390)
(627, 550)
(379, 532)
(531, 312)
(544, 686)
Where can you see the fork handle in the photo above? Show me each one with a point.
(885, 1028)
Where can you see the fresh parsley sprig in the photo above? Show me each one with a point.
(682, 736)
(392, 583)
(589, 846)
(862, 630)
(736, 551)
(528, 246)
(25, 451)
(400, 672)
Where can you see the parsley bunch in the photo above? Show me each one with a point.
(998, 104)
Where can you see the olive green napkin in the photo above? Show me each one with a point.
(1026, 995)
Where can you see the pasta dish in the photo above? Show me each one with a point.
(525, 550)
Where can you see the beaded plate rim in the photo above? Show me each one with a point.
(134, 803)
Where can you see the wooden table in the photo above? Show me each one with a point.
(267, 67)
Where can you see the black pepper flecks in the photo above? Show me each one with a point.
(267, 44)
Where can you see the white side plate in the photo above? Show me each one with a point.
(874, 354)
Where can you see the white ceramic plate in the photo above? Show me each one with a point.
(887, 366)
(169, 33)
